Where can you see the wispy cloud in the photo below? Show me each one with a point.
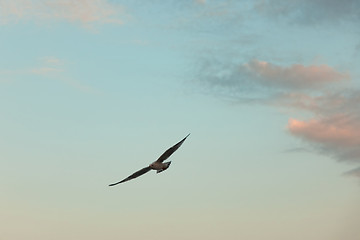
(48, 66)
(294, 76)
(53, 60)
(261, 79)
(80, 11)
(51, 68)
(54, 68)
(45, 70)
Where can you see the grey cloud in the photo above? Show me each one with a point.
(311, 11)
(322, 103)
(264, 80)
(354, 172)
(357, 50)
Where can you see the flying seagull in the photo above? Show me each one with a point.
(159, 165)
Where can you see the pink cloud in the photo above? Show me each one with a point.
(83, 11)
(335, 128)
(339, 131)
(295, 76)
(337, 136)
(18, 8)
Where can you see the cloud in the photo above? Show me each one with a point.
(334, 126)
(335, 136)
(53, 60)
(311, 11)
(45, 70)
(295, 76)
(52, 67)
(322, 103)
(49, 68)
(357, 50)
(333, 132)
(263, 80)
(80, 11)
(334, 129)
(355, 172)
(202, 16)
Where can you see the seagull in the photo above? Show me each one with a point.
(159, 165)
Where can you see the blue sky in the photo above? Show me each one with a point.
(93, 90)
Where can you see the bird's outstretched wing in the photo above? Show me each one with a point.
(134, 175)
(171, 150)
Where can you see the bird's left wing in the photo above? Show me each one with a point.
(134, 175)
(171, 150)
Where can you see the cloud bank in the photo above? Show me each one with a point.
(333, 129)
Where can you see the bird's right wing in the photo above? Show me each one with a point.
(134, 175)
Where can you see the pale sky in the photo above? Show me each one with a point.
(93, 90)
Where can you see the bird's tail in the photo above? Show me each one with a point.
(167, 164)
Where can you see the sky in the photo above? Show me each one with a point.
(94, 90)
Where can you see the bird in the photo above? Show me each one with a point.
(159, 165)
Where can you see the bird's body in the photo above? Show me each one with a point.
(159, 165)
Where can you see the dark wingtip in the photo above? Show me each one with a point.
(185, 137)
(113, 184)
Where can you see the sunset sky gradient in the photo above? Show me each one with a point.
(93, 90)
